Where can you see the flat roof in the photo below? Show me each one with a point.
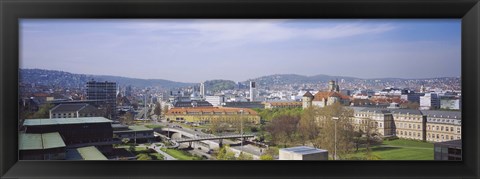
(60, 121)
(139, 128)
(303, 150)
(91, 153)
(40, 141)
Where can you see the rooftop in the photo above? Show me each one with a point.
(303, 150)
(40, 141)
(91, 153)
(443, 114)
(60, 121)
(139, 128)
(68, 107)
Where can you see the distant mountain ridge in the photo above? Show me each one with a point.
(52, 77)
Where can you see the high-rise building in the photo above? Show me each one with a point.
(202, 90)
(105, 93)
(253, 90)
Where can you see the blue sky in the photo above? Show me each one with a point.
(198, 50)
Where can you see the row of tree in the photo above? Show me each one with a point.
(322, 128)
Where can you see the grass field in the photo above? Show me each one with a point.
(180, 155)
(399, 149)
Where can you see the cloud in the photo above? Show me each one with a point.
(252, 31)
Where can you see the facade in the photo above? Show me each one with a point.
(303, 153)
(202, 90)
(134, 133)
(105, 94)
(215, 100)
(253, 90)
(450, 150)
(244, 105)
(450, 103)
(429, 101)
(379, 119)
(412, 97)
(286, 104)
(425, 125)
(443, 125)
(207, 114)
(76, 132)
(193, 103)
(409, 124)
(326, 98)
(75, 111)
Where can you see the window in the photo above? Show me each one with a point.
(438, 136)
(451, 129)
(401, 132)
(409, 126)
(428, 127)
(458, 130)
(441, 128)
(446, 129)
(418, 134)
(446, 136)
(437, 128)
(418, 126)
(409, 133)
(443, 137)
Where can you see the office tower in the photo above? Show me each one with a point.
(202, 90)
(104, 94)
(253, 90)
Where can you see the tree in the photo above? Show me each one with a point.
(244, 156)
(224, 154)
(335, 119)
(127, 119)
(266, 157)
(308, 128)
(158, 109)
(283, 128)
(43, 111)
(165, 110)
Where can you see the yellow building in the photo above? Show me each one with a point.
(409, 124)
(443, 125)
(207, 114)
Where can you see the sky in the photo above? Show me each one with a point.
(195, 50)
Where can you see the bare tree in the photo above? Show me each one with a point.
(283, 128)
(308, 128)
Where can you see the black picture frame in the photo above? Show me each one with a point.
(12, 10)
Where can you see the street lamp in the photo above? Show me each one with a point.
(335, 151)
(241, 130)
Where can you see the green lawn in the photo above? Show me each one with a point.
(180, 155)
(399, 149)
(152, 126)
(143, 152)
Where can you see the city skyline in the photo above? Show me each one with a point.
(199, 50)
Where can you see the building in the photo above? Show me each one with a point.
(250, 105)
(325, 98)
(425, 125)
(286, 104)
(202, 90)
(443, 125)
(451, 102)
(253, 91)
(409, 123)
(412, 97)
(449, 150)
(134, 133)
(429, 101)
(85, 153)
(105, 92)
(76, 132)
(303, 153)
(207, 114)
(215, 100)
(75, 111)
(41, 146)
(193, 103)
(379, 119)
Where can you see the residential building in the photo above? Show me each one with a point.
(253, 91)
(325, 98)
